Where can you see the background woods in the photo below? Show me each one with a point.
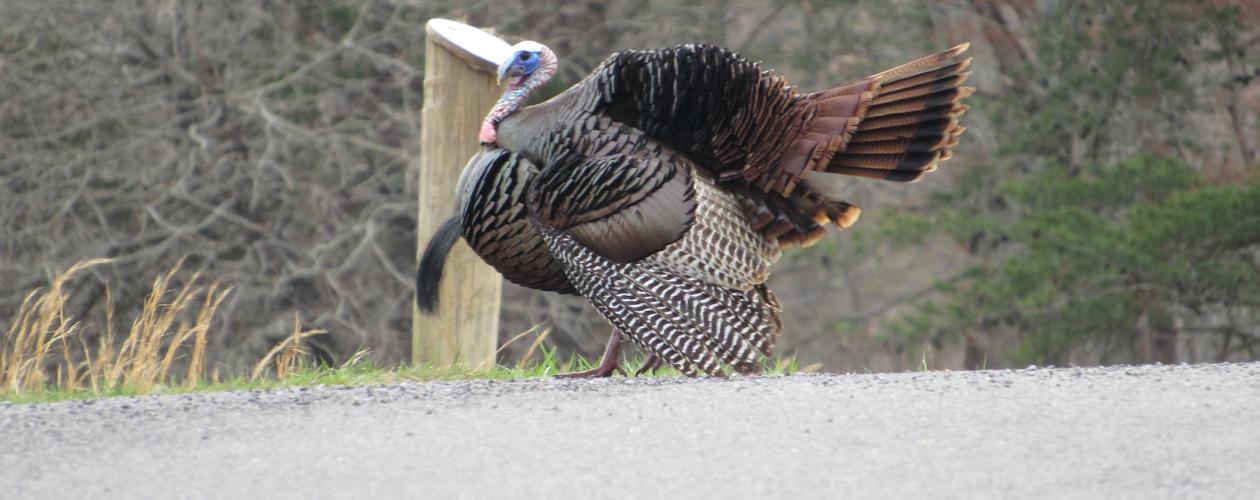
(1104, 205)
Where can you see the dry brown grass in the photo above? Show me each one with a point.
(47, 349)
(287, 356)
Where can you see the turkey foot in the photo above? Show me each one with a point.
(607, 365)
(649, 365)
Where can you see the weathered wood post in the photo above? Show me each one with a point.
(460, 63)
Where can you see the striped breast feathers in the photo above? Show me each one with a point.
(491, 206)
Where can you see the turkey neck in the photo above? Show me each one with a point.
(528, 131)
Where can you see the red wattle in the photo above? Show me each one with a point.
(488, 134)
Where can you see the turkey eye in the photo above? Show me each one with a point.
(525, 57)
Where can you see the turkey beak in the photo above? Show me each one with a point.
(503, 70)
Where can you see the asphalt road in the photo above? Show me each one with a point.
(1124, 432)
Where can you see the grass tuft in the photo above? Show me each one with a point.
(288, 355)
(46, 349)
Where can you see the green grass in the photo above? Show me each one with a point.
(363, 373)
(46, 354)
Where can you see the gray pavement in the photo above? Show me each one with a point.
(1122, 432)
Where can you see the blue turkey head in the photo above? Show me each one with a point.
(524, 60)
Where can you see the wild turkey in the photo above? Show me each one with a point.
(663, 187)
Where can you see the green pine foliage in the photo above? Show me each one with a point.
(1093, 234)
(1096, 251)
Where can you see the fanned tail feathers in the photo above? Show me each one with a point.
(911, 119)
(895, 125)
(801, 218)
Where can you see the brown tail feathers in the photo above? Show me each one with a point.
(910, 120)
(895, 125)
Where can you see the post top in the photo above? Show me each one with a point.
(479, 49)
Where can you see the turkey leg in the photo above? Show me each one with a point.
(607, 365)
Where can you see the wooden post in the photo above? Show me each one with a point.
(459, 89)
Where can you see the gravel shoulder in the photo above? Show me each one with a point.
(1119, 432)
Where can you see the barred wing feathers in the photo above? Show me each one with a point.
(664, 254)
(695, 326)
